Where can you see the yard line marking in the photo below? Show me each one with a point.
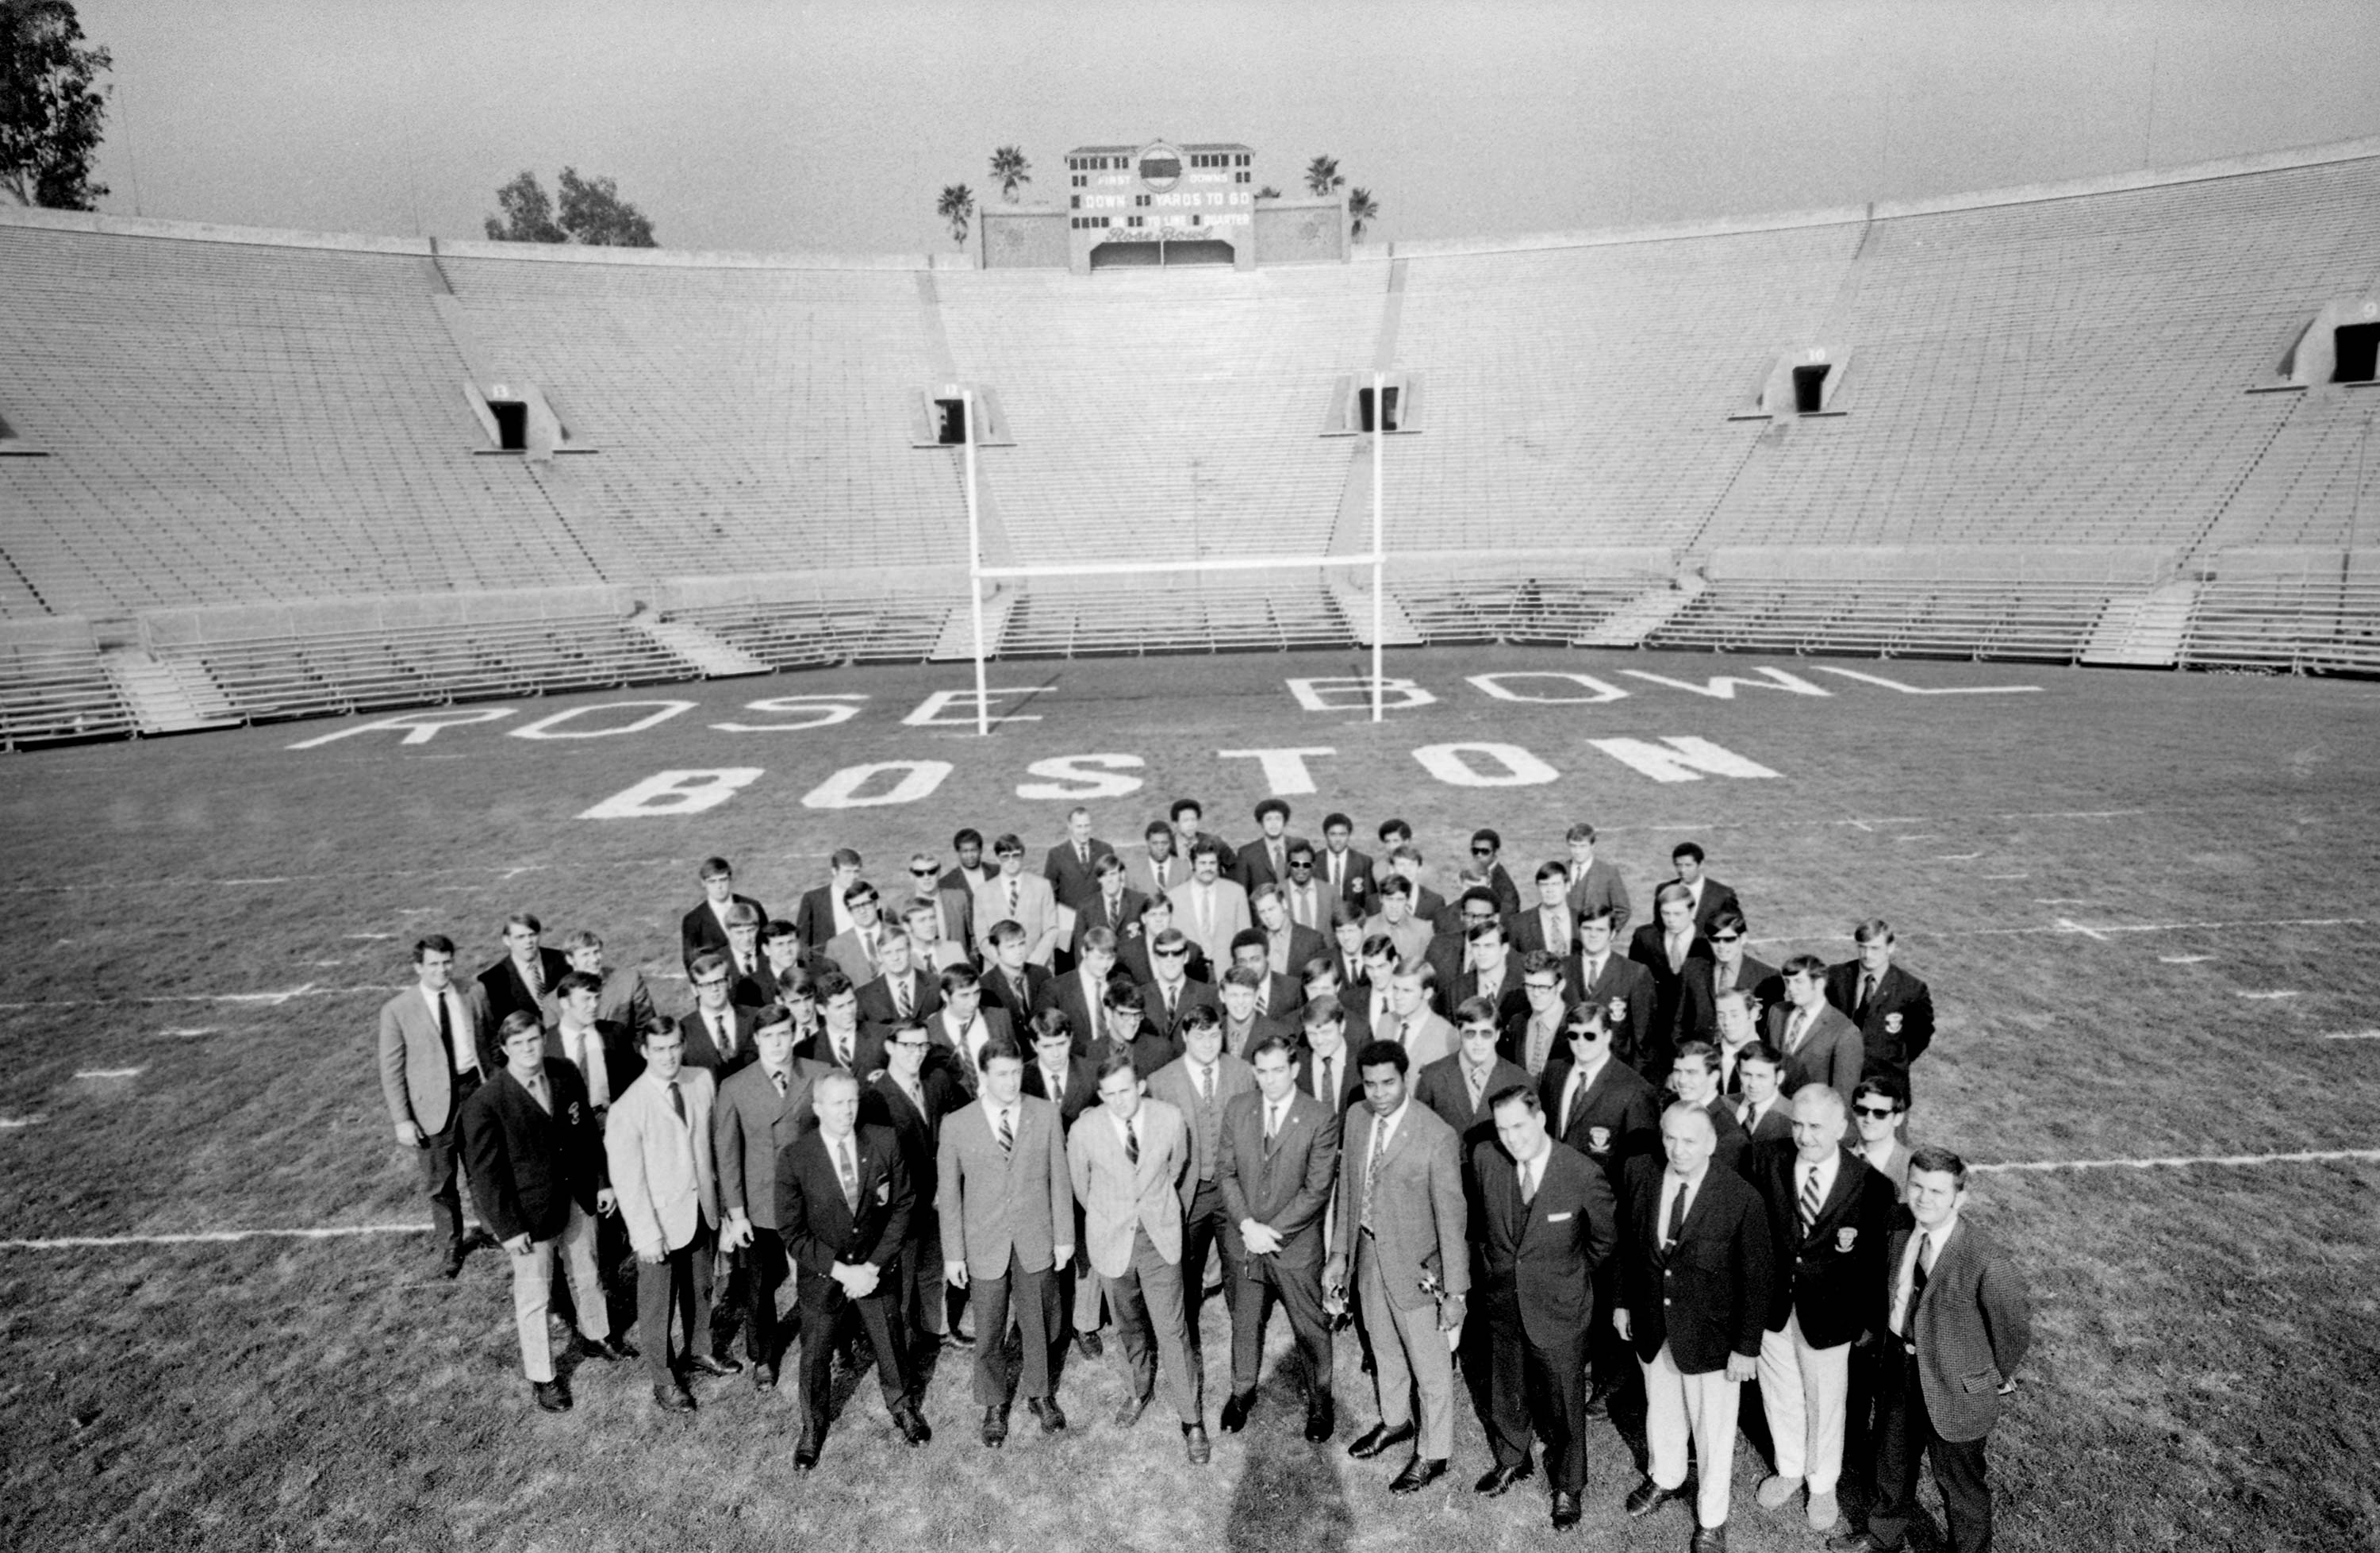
(1923, 838)
(2309, 1156)
(2183, 960)
(2267, 996)
(207, 1030)
(1861, 824)
(2071, 814)
(2353, 1035)
(2061, 900)
(2070, 925)
(108, 1074)
(216, 1237)
(9, 1124)
(281, 880)
(1930, 691)
(2003, 875)
(372, 934)
(1970, 857)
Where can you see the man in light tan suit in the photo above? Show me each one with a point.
(761, 1108)
(1004, 1186)
(437, 1043)
(1012, 895)
(658, 1140)
(1130, 1161)
(1398, 1232)
(1209, 909)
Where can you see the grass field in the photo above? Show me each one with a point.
(2144, 902)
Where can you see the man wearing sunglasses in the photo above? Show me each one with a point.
(1732, 967)
(1486, 847)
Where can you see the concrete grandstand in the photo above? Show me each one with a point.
(249, 474)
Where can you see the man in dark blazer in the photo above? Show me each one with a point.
(718, 1034)
(843, 1202)
(1708, 897)
(1287, 944)
(1959, 1323)
(1548, 922)
(604, 1052)
(1597, 1105)
(1072, 865)
(969, 873)
(1171, 994)
(1264, 860)
(903, 989)
(912, 1099)
(1761, 1109)
(1600, 974)
(1892, 1009)
(823, 912)
(1829, 1215)
(437, 1045)
(1817, 1041)
(1594, 883)
(1126, 1029)
(1325, 1068)
(1311, 901)
(1679, 961)
(1695, 1274)
(1112, 905)
(534, 1151)
(1322, 979)
(1244, 1023)
(1345, 871)
(1694, 1079)
(1201, 1083)
(1533, 1035)
(760, 1109)
(1279, 1160)
(1459, 1086)
(842, 1041)
(524, 977)
(704, 926)
(1732, 967)
(1079, 992)
(1135, 955)
(1012, 982)
(1486, 866)
(1546, 1220)
(962, 1026)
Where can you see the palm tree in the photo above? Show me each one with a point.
(957, 207)
(1009, 168)
(1322, 176)
(1363, 210)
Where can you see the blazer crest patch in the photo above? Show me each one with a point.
(1598, 1139)
(1619, 1008)
(1892, 1024)
(1846, 1237)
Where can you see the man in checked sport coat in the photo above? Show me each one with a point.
(1829, 1215)
(1959, 1321)
(1693, 1300)
(1547, 1221)
(843, 1200)
(1009, 1207)
(1279, 1160)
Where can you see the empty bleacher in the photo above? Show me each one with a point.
(1218, 616)
(54, 688)
(2301, 612)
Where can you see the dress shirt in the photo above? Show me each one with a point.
(1904, 1281)
(1053, 1085)
(459, 1018)
(585, 1048)
(1274, 1111)
(1671, 1184)
(1532, 1172)
(1824, 1170)
(1325, 1076)
(1581, 1079)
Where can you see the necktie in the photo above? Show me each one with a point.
(1571, 1106)
(779, 1079)
(1326, 1079)
(1594, 971)
(1205, 1084)
(536, 1088)
(1868, 990)
(1132, 1142)
(533, 973)
(1007, 1134)
(1925, 1266)
(677, 1101)
(850, 1173)
(1677, 951)
(916, 1096)
(1056, 1084)
(722, 1034)
(1338, 874)
(590, 1062)
(1677, 1219)
(1280, 869)
(1478, 1080)
(1528, 1185)
(1083, 853)
(1372, 1169)
(1800, 1028)
(1273, 1124)
(900, 998)
(1541, 1040)
(1012, 897)
(1303, 902)
(1810, 1204)
(1727, 977)
(842, 1051)
(446, 1035)
(867, 946)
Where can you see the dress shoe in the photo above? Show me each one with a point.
(1419, 1473)
(1322, 1421)
(1378, 1437)
(551, 1395)
(1566, 1511)
(1598, 1404)
(712, 1365)
(1087, 1344)
(452, 1267)
(1859, 1542)
(1708, 1539)
(806, 1452)
(995, 1426)
(1046, 1409)
(671, 1395)
(1824, 1512)
(912, 1423)
(1129, 1414)
(764, 1377)
(1776, 1489)
(1235, 1411)
(610, 1350)
(958, 1340)
(1501, 1476)
(1193, 1442)
(1649, 1497)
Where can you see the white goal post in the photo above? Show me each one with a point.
(978, 573)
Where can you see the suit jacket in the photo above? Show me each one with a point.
(1351, 1079)
(1358, 893)
(1729, 1155)
(1082, 1087)
(1131, 959)
(700, 928)
(1758, 978)
(876, 998)
(417, 1074)
(1149, 1047)
(1173, 1084)
(1255, 862)
(750, 1126)
(1618, 1117)
(1066, 994)
(1833, 1276)
(1118, 1196)
(1072, 880)
(854, 960)
(944, 1052)
(1092, 911)
(883, 1103)
(1508, 993)
(1304, 943)
(866, 1052)
(1230, 915)
(1192, 994)
(1899, 1023)
(1716, 897)
(701, 1051)
(527, 1164)
(1442, 1087)
(508, 994)
(1329, 909)
(621, 1060)
(1832, 1053)
(1240, 1043)
(625, 999)
(820, 1228)
(1776, 1125)
(814, 920)
(1682, 1009)
(1017, 1202)
(661, 1167)
(1972, 1325)
(1707, 1296)
(1425, 1038)
(999, 993)
(957, 915)
(1150, 880)
(1528, 932)
(1037, 913)
(1626, 990)
(1601, 885)
(964, 882)
(1544, 1251)
(1285, 1185)
(1419, 1219)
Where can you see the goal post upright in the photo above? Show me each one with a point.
(974, 564)
(1379, 550)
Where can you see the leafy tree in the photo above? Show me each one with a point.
(1008, 169)
(50, 109)
(1363, 210)
(957, 207)
(592, 213)
(1267, 193)
(1322, 176)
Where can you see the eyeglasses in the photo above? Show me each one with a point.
(1726, 937)
(1541, 986)
(1301, 866)
(927, 873)
(1886, 1114)
(911, 1045)
(1483, 851)
(1170, 954)
(720, 980)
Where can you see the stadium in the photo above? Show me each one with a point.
(477, 577)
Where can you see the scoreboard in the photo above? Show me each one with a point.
(1161, 194)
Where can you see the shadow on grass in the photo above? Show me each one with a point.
(1289, 1497)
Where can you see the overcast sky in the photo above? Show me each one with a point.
(772, 126)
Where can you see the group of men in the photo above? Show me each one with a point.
(1593, 1172)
